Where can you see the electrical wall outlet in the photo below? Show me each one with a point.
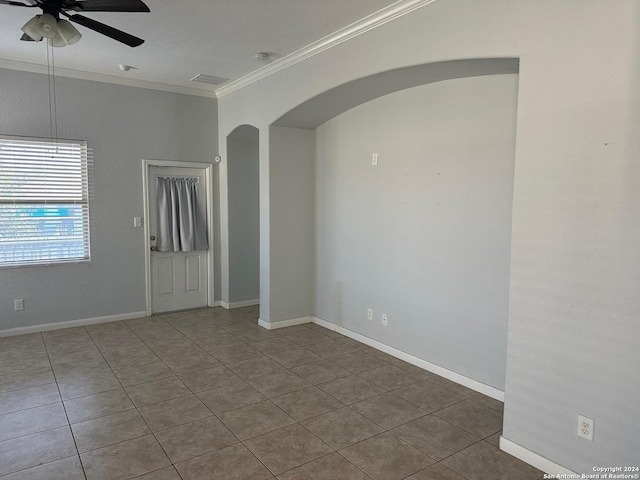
(369, 314)
(385, 320)
(585, 427)
(374, 159)
(18, 305)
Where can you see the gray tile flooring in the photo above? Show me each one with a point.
(208, 394)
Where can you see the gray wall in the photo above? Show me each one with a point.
(244, 214)
(575, 262)
(574, 307)
(291, 214)
(122, 125)
(425, 236)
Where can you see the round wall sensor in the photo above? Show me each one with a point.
(217, 158)
(125, 68)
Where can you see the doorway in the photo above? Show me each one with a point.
(177, 280)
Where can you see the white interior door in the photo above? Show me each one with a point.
(179, 280)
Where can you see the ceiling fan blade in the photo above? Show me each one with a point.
(111, 32)
(105, 6)
(15, 4)
(27, 38)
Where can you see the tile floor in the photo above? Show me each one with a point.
(208, 394)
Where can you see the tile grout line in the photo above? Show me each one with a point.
(64, 407)
(242, 442)
(384, 429)
(138, 409)
(222, 422)
(345, 406)
(172, 463)
(140, 335)
(130, 399)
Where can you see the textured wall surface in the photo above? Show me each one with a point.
(425, 236)
(575, 262)
(244, 214)
(122, 126)
(291, 218)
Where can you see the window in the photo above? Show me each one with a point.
(44, 201)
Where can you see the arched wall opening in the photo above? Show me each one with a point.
(243, 197)
(573, 261)
(423, 237)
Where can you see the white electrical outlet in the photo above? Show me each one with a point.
(369, 314)
(18, 304)
(385, 320)
(374, 159)
(585, 427)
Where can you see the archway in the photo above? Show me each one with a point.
(244, 216)
(416, 227)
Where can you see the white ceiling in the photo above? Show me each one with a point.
(186, 37)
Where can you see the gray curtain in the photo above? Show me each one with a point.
(181, 221)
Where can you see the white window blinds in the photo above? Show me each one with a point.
(44, 201)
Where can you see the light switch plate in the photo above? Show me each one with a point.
(18, 305)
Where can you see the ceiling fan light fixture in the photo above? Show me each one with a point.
(68, 33)
(57, 41)
(31, 29)
(60, 32)
(47, 26)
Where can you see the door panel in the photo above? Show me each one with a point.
(165, 276)
(193, 273)
(179, 280)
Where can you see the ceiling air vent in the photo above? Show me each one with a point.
(210, 79)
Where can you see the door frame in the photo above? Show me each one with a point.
(208, 169)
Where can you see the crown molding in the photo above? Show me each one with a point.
(100, 77)
(376, 19)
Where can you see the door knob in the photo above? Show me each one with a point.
(153, 248)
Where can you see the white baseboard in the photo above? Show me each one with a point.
(245, 303)
(532, 458)
(284, 323)
(83, 322)
(431, 367)
(216, 303)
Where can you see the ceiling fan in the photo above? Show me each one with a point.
(60, 32)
